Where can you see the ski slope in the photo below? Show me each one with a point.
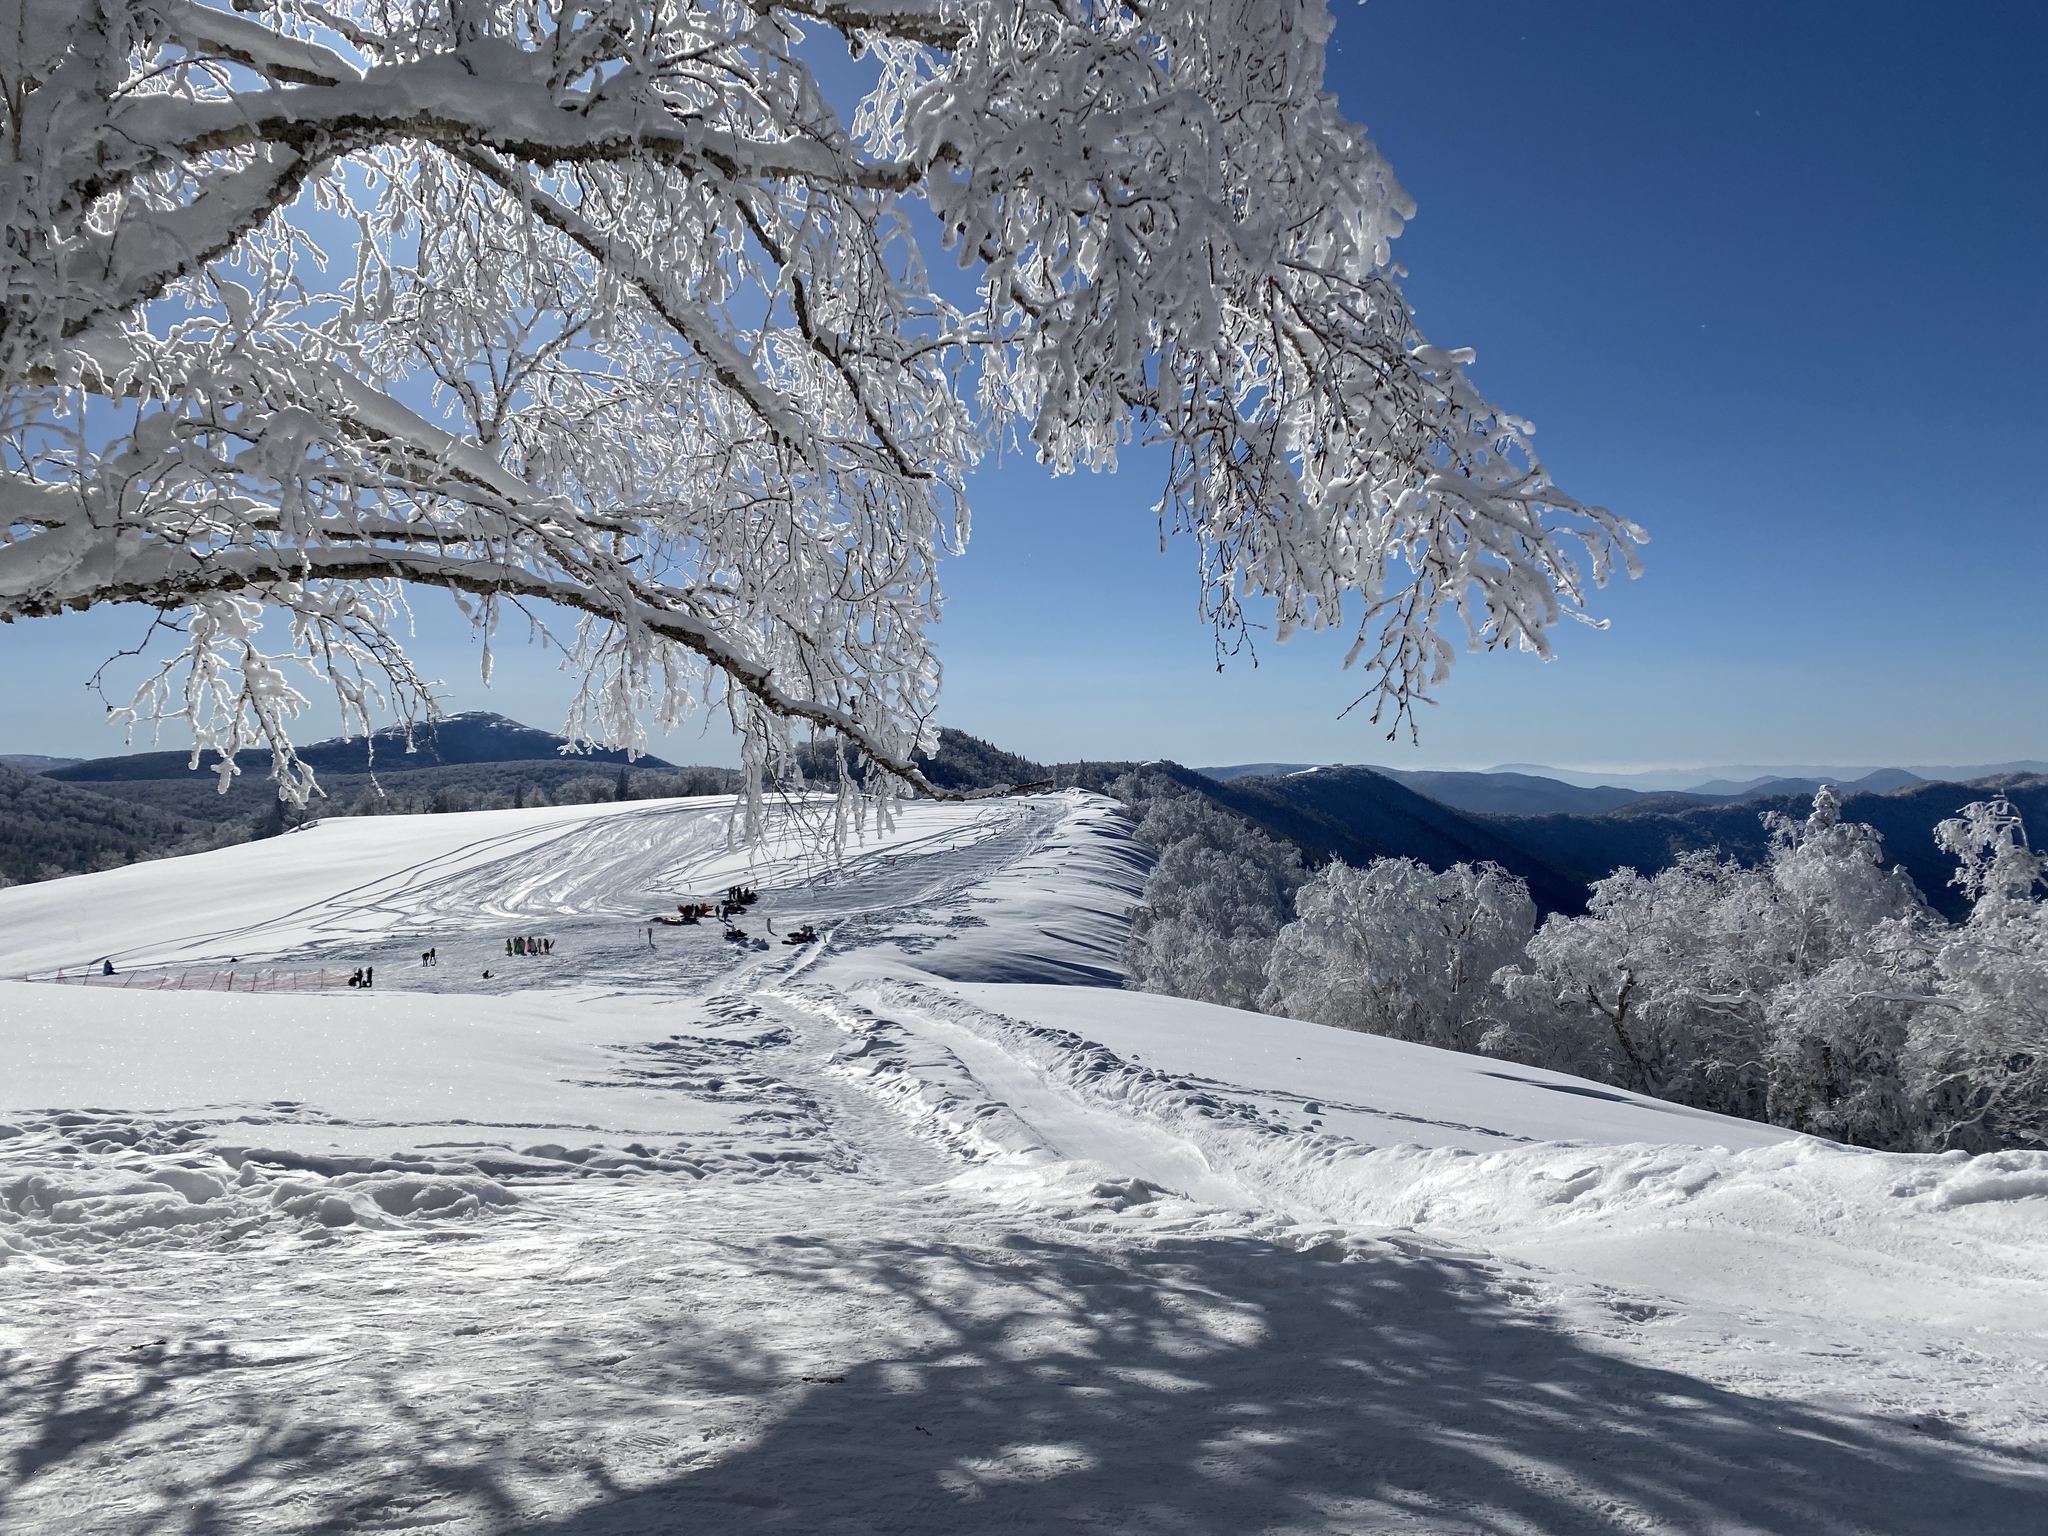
(924, 1227)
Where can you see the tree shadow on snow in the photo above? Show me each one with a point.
(1198, 1385)
(1225, 1386)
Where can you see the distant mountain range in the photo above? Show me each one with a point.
(75, 816)
(1528, 789)
(475, 736)
(460, 759)
(1561, 837)
(1557, 834)
(1560, 852)
(1522, 794)
(1361, 814)
(1252, 771)
(1738, 778)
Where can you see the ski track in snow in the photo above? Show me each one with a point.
(886, 1234)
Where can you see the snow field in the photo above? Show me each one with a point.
(905, 1231)
(356, 880)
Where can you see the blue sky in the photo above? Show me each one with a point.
(1767, 277)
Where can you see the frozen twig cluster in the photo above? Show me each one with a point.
(619, 310)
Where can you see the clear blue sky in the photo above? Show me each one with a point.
(1768, 277)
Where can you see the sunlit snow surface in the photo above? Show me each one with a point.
(927, 1228)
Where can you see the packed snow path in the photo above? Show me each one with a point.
(913, 1229)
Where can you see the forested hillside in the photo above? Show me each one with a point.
(1588, 848)
(474, 736)
(1513, 793)
(1359, 814)
(456, 787)
(59, 829)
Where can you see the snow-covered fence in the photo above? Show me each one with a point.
(237, 980)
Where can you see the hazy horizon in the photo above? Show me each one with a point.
(676, 749)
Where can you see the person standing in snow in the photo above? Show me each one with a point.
(369, 974)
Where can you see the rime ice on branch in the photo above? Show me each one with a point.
(608, 308)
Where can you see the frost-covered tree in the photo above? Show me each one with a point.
(1218, 893)
(1996, 867)
(1839, 1045)
(1847, 937)
(621, 309)
(1830, 886)
(1817, 991)
(1731, 988)
(1658, 986)
(1396, 948)
(1984, 1056)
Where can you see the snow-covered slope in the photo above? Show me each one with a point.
(339, 884)
(925, 1226)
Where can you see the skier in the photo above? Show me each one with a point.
(369, 974)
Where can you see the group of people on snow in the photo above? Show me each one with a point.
(523, 945)
(362, 976)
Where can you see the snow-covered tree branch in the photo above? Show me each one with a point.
(620, 308)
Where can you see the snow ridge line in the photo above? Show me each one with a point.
(1323, 1177)
(927, 1084)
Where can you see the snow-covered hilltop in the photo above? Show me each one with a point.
(920, 1227)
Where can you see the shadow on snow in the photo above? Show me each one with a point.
(1190, 1385)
